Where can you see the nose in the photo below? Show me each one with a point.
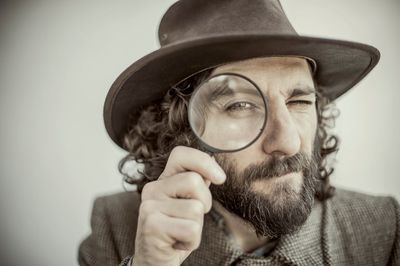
(281, 137)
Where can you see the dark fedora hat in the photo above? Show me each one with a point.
(196, 35)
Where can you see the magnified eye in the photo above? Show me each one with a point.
(227, 112)
(240, 106)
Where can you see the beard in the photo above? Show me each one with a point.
(280, 210)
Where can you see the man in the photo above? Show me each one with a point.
(264, 201)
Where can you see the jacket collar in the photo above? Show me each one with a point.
(307, 246)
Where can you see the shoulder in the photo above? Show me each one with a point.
(118, 203)
(353, 200)
(113, 223)
(362, 224)
(117, 215)
(357, 206)
(120, 211)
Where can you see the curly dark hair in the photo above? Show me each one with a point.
(163, 125)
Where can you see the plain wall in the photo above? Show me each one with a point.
(57, 62)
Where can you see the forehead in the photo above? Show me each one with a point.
(282, 72)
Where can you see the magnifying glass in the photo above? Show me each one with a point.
(227, 112)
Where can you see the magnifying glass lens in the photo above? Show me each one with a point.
(227, 112)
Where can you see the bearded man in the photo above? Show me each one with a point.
(251, 191)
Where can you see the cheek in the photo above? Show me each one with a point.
(306, 124)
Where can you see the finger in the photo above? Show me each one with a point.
(178, 208)
(189, 159)
(187, 185)
(170, 230)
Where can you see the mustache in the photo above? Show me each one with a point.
(275, 167)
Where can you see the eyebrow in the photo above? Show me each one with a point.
(301, 91)
(223, 90)
(220, 91)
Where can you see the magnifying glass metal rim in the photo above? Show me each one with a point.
(211, 148)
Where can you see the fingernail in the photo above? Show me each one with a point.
(220, 174)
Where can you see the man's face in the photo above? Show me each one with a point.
(271, 183)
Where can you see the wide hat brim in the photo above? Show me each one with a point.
(340, 66)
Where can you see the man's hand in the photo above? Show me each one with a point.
(172, 210)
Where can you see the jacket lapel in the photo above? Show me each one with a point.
(307, 246)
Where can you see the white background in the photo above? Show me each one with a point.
(57, 61)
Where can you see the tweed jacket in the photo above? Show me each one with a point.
(349, 229)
